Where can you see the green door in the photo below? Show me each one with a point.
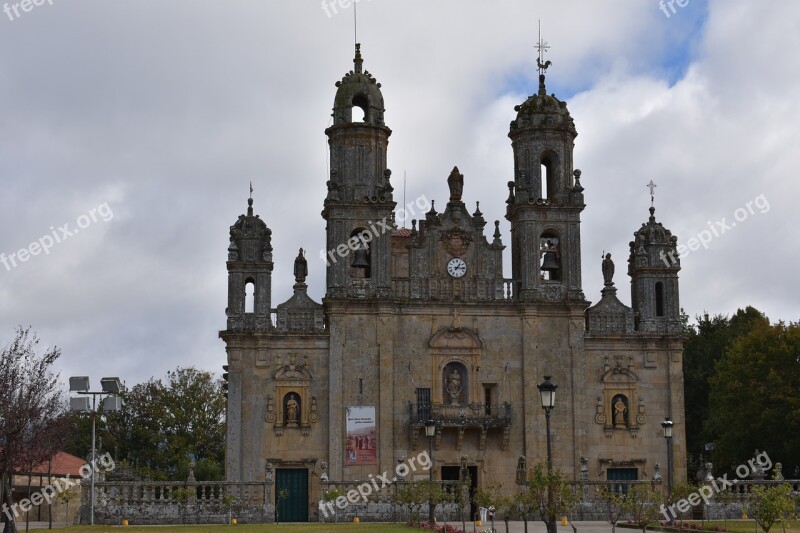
(294, 506)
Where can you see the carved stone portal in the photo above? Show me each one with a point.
(292, 405)
(620, 406)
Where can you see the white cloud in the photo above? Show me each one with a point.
(168, 110)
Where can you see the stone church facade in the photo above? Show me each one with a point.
(420, 324)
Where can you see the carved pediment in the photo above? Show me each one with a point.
(292, 371)
(455, 338)
(619, 373)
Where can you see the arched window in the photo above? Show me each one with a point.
(250, 296)
(550, 256)
(360, 106)
(359, 244)
(659, 299)
(544, 172)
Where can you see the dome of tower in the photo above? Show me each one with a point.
(653, 245)
(653, 232)
(543, 110)
(358, 89)
(250, 238)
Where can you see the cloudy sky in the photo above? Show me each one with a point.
(140, 123)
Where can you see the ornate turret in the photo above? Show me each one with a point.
(249, 272)
(653, 265)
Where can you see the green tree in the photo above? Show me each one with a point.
(706, 342)
(771, 504)
(549, 495)
(613, 502)
(164, 425)
(493, 498)
(681, 491)
(642, 504)
(418, 493)
(753, 401)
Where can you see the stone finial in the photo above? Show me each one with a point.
(497, 236)
(577, 187)
(510, 199)
(357, 61)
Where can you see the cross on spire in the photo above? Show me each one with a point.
(652, 187)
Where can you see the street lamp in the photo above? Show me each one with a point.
(547, 393)
(667, 425)
(111, 388)
(430, 430)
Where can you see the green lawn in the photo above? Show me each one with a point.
(744, 526)
(260, 528)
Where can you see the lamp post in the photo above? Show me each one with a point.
(430, 429)
(547, 394)
(667, 425)
(111, 389)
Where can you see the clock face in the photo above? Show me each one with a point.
(456, 267)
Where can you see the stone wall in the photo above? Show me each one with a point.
(148, 503)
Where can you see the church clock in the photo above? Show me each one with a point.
(456, 267)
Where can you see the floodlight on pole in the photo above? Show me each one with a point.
(111, 388)
(111, 385)
(79, 384)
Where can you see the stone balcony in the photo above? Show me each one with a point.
(460, 419)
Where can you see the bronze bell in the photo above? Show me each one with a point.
(360, 259)
(550, 263)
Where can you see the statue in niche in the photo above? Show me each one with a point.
(292, 409)
(620, 412)
(300, 267)
(608, 270)
(456, 183)
(454, 386)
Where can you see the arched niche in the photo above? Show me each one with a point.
(620, 407)
(293, 406)
(455, 349)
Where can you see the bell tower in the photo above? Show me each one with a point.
(653, 266)
(249, 273)
(359, 205)
(545, 199)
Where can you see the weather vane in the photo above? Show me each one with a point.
(543, 47)
(652, 186)
(251, 190)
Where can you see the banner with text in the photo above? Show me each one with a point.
(361, 448)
